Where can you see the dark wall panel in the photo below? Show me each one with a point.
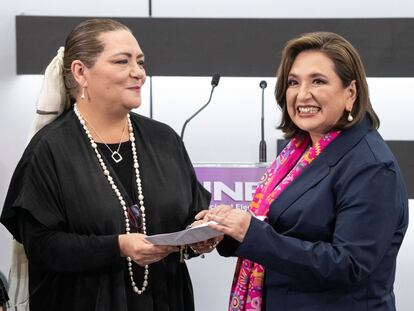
(404, 152)
(231, 47)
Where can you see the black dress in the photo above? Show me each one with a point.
(3, 294)
(63, 209)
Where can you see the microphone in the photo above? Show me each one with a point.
(262, 145)
(214, 82)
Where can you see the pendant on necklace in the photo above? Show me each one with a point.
(116, 157)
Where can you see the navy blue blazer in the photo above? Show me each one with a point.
(334, 233)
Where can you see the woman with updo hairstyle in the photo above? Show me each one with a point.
(329, 216)
(95, 179)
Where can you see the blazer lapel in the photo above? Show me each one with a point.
(310, 176)
(318, 169)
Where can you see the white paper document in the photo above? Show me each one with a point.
(188, 236)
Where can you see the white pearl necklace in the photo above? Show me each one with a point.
(119, 195)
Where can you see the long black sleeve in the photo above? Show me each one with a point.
(66, 252)
(3, 294)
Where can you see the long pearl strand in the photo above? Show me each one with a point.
(119, 195)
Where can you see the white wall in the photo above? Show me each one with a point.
(282, 9)
(233, 115)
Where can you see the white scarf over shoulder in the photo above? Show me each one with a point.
(51, 104)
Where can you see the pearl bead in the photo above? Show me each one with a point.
(118, 193)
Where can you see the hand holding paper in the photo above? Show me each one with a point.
(188, 236)
(231, 221)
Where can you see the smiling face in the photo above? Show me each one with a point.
(316, 98)
(114, 81)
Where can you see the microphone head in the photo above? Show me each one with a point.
(263, 84)
(215, 80)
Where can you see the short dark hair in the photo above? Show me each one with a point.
(83, 44)
(348, 66)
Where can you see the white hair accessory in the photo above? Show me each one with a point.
(52, 97)
(51, 104)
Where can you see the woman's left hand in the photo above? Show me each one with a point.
(230, 221)
(204, 246)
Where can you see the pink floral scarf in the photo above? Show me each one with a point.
(246, 290)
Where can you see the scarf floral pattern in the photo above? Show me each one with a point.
(246, 290)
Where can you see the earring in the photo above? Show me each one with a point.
(83, 93)
(350, 117)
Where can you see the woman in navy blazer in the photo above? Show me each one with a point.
(332, 236)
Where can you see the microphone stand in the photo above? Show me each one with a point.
(262, 145)
(214, 83)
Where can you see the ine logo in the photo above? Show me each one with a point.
(239, 192)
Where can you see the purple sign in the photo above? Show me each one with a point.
(230, 185)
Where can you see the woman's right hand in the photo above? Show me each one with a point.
(141, 251)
